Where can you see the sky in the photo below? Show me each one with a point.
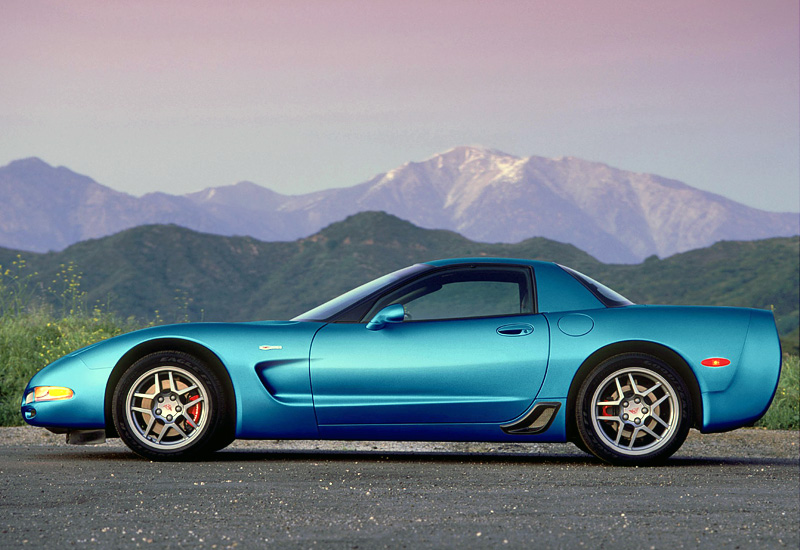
(304, 95)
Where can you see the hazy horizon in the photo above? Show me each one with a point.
(303, 96)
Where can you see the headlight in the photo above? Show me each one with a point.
(48, 393)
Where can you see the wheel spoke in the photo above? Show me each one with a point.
(609, 418)
(633, 438)
(157, 383)
(149, 425)
(142, 410)
(171, 381)
(619, 389)
(608, 403)
(659, 420)
(651, 432)
(189, 420)
(619, 434)
(655, 387)
(194, 402)
(185, 390)
(661, 400)
(634, 387)
(181, 432)
(145, 395)
(164, 431)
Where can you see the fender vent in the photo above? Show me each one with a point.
(536, 421)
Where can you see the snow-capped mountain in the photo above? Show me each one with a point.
(486, 195)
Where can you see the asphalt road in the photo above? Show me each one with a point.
(253, 496)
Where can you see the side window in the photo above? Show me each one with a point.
(463, 293)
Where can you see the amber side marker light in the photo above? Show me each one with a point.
(715, 362)
(51, 393)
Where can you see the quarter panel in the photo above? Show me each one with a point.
(694, 333)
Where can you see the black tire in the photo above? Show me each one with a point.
(633, 409)
(161, 422)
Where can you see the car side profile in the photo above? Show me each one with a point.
(473, 349)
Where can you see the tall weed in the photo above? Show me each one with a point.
(17, 288)
(34, 339)
(33, 335)
(784, 413)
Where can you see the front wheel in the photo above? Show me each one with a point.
(633, 409)
(171, 406)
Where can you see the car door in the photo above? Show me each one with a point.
(470, 349)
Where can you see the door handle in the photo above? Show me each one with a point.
(520, 329)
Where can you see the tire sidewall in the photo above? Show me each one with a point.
(585, 425)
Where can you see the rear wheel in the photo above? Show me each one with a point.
(171, 406)
(633, 409)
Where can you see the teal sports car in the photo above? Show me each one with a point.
(475, 349)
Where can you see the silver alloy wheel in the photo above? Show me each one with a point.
(635, 411)
(167, 407)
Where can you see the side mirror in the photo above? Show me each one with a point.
(390, 314)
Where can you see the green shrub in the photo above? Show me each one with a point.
(31, 340)
(33, 335)
(784, 413)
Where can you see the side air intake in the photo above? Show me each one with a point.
(536, 421)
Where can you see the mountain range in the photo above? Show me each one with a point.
(483, 194)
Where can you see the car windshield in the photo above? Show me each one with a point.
(333, 307)
(610, 298)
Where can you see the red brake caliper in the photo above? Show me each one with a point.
(194, 410)
(605, 410)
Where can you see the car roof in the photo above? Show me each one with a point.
(486, 260)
